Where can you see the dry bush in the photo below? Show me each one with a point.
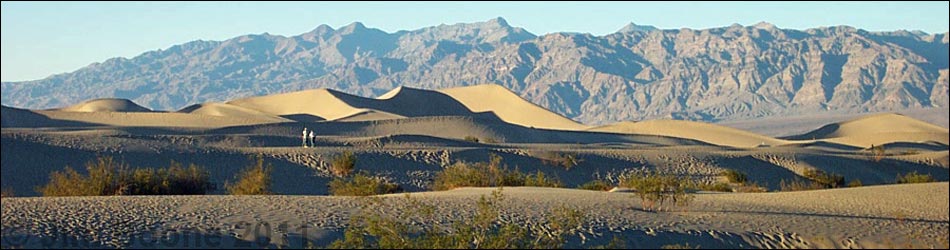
(343, 164)
(655, 189)
(254, 180)
(485, 230)
(734, 176)
(361, 184)
(7, 192)
(538, 179)
(914, 177)
(596, 185)
(109, 177)
(565, 160)
(825, 179)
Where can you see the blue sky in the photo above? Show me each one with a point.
(40, 39)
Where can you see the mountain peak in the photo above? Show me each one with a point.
(352, 27)
(323, 28)
(498, 21)
(765, 25)
(633, 27)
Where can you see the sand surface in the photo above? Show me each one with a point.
(867, 217)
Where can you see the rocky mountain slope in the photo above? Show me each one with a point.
(639, 72)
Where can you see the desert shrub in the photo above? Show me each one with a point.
(253, 180)
(538, 179)
(109, 177)
(471, 138)
(480, 174)
(361, 184)
(855, 183)
(7, 192)
(825, 179)
(565, 160)
(717, 187)
(799, 185)
(596, 185)
(485, 230)
(655, 189)
(750, 187)
(878, 152)
(679, 246)
(734, 176)
(914, 177)
(490, 140)
(343, 164)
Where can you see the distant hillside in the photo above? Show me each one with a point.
(639, 72)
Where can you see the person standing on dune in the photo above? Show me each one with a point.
(313, 139)
(303, 141)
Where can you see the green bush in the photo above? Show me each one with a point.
(109, 177)
(914, 177)
(485, 230)
(717, 187)
(361, 184)
(825, 179)
(596, 185)
(254, 180)
(480, 174)
(799, 185)
(734, 176)
(656, 189)
(538, 179)
(343, 164)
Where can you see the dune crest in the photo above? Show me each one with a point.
(878, 129)
(106, 105)
(510, 107)
(709, 133)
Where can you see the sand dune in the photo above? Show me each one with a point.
(705, 132)
(510, 107)
(878, 129)
(106, 105)
(224, 109)
(368, 115)
(322, 103)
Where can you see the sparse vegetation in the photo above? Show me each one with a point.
(485, 230)
(825, 179)
(471, 138)
(655, 189)
(538, 179)
(109, 177)
(7, 192)
(855, 183)
(717, 187)
(565, 160)
(799, 185)
(254, 180)
(878, 152)
(362, 184)
(343, 164)
(734, 176)
(490, 174)
(914, 177)
(679, 246)
(596, 185)
(750, 187)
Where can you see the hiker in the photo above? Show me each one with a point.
(313, 140)
(304, 142)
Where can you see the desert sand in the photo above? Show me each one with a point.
(865, 217)
(408, 135)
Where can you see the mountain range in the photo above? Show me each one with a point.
(639, 72)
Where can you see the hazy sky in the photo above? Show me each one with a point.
(44, 38)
